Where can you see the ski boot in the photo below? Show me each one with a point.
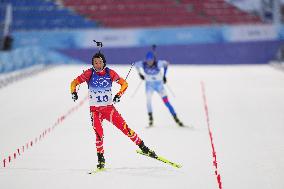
(146, 150)
(178, 121)
(150, 119)
(101, 160)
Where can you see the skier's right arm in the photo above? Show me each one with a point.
(85, 76)
(138, 66)
(74, 84)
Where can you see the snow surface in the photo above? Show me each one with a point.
(246, 111)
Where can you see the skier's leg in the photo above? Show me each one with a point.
(116, 119)
(97, 126)
(162, 92)
(149, 93)
(168, 105)
(171, 109)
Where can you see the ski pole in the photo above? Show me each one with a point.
(170, 90)
(129, 70)
(138, 86)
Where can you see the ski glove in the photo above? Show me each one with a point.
(165, 79)
(116, 98)
(141, 76)
(74, 96)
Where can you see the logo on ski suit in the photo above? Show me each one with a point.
(100, 89)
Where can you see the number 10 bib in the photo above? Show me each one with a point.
(100, 89)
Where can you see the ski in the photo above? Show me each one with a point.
(187, 126)
(184, 127)
(97, 170)
(162, 159)
(148, 127)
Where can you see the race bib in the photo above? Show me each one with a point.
(100, 97)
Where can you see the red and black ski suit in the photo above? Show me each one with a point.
(101, 105)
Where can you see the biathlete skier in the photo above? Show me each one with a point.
(150, 70)
(99, 79)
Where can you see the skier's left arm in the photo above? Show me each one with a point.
(139, 66)
(165, 65)
(123, 85)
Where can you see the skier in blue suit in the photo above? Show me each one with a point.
(154, 72)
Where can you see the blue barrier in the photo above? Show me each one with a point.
(259, 52)
(27, 56)
(247, 44)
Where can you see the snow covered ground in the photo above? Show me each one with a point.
(246, 112)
